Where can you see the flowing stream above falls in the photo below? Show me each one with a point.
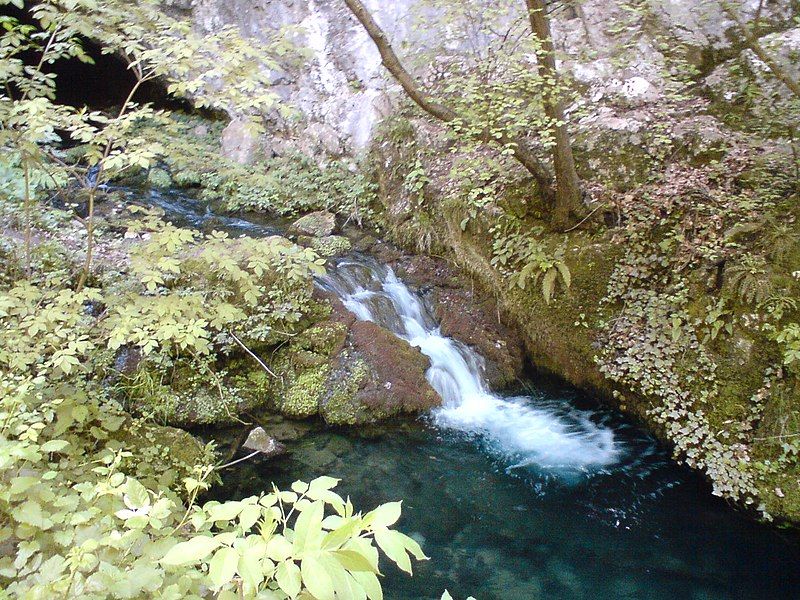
(540, 494)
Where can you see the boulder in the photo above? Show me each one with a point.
(331, 245)
(351, 372)
(316, 224)
(240, 142)
(379, 376)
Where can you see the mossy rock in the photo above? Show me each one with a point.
(340, 405)
(162, 455)
(331, 245)
(187, 399)
(159, 178)
(300, 398)
(187, 178)
(316, 224)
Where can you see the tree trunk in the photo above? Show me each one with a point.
(568, 202)
(522, 151)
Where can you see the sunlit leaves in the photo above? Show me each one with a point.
(303, 550)
(190, 552)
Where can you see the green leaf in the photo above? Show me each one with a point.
(410, 545)
(337, 537)
(250, 514)
(308, 527)
(31, 513)
(279, 548)
(222, 567)
(54, 446)
(371, 585)
(385, 515)
(190, 552)
(301, 487)
(137, 494)
(566, 276)
(323, 483)
(549, 284)
(226, 511)
(354, 561)
(394, 548)
(249, 569)
(289, 578)
(316, 579)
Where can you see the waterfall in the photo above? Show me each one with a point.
(554, 438)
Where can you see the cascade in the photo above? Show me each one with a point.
(549, 437)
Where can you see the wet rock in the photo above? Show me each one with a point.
(316, 224)
(240, 143)
(128, 360)
(475, 322)
(424, 271)
(259, 440)
(379, 376)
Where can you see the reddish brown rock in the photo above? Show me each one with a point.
(475, 322)
(377, 377)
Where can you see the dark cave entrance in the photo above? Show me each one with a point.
(103, 85)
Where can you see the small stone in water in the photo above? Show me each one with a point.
(259, 440)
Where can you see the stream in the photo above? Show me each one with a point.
(539, 493)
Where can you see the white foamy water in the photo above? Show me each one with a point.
(558, 439)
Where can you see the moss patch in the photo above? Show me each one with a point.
(300, 399)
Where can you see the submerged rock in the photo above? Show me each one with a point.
(259, 440)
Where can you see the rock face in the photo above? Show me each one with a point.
(343, 91)
(729, 82)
